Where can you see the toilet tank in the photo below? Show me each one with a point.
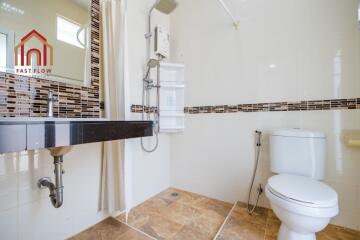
(298, 152)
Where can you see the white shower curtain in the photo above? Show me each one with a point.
(115, 185)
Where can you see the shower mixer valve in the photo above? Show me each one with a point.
(149, 84)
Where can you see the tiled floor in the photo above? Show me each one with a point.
(110, 229)
(179, 215)
(263, 224)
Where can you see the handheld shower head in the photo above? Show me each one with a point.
(166, 6)
(152, 63)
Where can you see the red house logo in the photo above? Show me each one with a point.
(24, 56)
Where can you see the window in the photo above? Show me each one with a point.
(70, 32)
(359, 14)
(6, 50)
(3, 51)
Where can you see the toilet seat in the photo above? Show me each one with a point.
(302, 190)
(302, 195)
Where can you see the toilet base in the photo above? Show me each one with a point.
(287, 234)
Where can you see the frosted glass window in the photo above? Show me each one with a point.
(3, 50)
(70, 32)
(359, 15)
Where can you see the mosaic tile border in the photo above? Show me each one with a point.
(22, 96)
(313, 105)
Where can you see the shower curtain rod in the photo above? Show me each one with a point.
(235, 22)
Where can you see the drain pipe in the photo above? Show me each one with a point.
(56, 190)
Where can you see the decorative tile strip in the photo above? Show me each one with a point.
(314, 105)
(27, 96)
(140, 109)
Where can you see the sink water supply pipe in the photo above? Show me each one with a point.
(259, 190)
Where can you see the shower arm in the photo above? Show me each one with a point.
(148, 35)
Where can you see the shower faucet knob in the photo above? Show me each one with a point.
(148, 35)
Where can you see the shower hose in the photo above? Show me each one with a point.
(146, 104)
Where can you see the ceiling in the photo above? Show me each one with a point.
(83, 3)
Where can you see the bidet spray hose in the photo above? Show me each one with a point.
(259, 190)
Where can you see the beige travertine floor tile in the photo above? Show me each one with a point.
(189, 216)
(110, 229)
(243, 226)
(190, 233)
(332, 232)
(272, 226)
(160, 227)
(182, 215)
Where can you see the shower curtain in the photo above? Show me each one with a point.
(116, 169)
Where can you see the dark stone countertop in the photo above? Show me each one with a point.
(21, 135)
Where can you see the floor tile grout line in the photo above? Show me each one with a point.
(225, 221)
(138, 230)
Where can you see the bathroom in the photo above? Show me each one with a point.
(278, 67)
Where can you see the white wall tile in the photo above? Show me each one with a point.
(8, 224)
(345, 171)
(347, 196)
(45, 221)
(8, 164)
(349, 219)
(26, 211)
(8, 191)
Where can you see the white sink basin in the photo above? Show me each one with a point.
(47, 119)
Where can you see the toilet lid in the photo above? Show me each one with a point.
(303, 190)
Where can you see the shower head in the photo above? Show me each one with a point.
(165, 6)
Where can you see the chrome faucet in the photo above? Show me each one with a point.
(50, 104)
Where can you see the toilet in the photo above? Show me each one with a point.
(303, 203)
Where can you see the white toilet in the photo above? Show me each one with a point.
(302, 203)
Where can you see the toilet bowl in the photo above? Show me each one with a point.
(299, 199)
(304, 205)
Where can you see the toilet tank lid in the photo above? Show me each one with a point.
(297, 132)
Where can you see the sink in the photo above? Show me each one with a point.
(58, 135)
(21, 134)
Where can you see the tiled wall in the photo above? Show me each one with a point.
(216, 153)
(150, 172)
(27, 97)
(284, 54)
(26, 211)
